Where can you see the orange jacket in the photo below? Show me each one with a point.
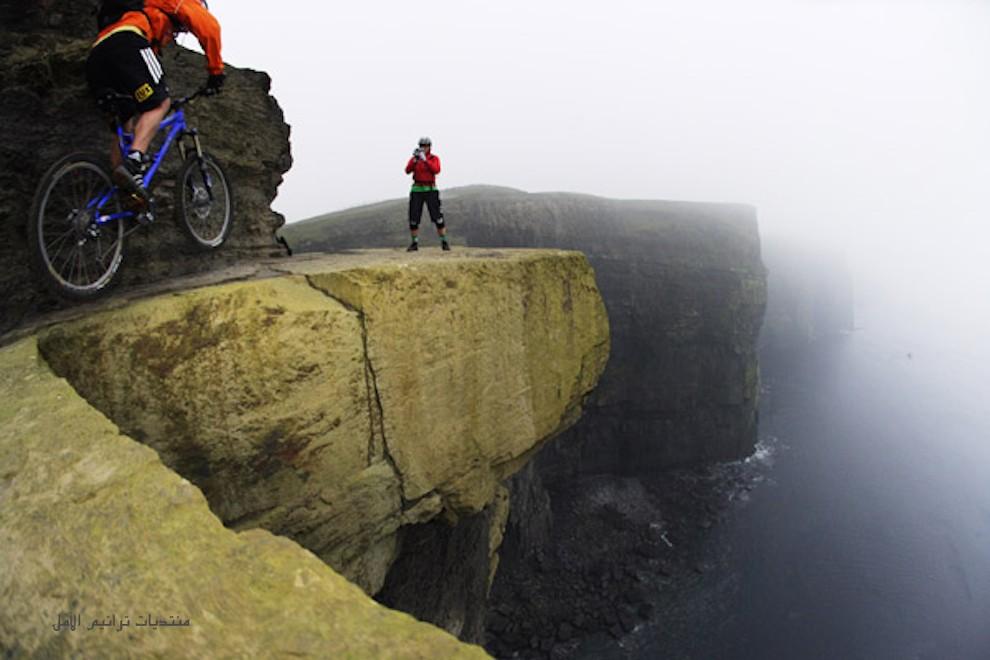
(158, 25)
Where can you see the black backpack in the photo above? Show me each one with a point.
(110, 11)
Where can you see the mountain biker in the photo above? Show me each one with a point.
(425, 166)
(124, 59)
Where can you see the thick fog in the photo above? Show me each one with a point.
(858, 124)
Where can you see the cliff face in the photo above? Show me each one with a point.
(46, 114)
(685, 291)
(811, 297)
(94, 526)
(355, 405)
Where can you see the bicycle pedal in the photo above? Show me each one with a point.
(145, 218)
(134, 203)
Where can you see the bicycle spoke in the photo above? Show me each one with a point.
(89, 194)
(59, 240)
(102, 256)
(94, 260)
(81, 187)
(66, 201)
(76, 261)
(82, 264)
(69, 188)
(110, 250)
(53, 259)
(70, 265)
(81, 258)
(74, 189)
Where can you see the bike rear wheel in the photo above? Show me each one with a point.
(204, 203)
(76, 257)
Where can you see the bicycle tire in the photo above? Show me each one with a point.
(207, 219)
(56, 223)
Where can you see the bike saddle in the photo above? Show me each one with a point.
(116, 106)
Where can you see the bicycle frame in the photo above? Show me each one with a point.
(176, 126)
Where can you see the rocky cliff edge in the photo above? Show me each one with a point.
(335, 405)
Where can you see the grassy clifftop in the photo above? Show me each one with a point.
(490, 216)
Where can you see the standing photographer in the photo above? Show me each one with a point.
(424, 167)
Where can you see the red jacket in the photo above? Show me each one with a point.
(424, 171)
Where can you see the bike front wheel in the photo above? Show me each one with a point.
(204, 203)
(77, 257)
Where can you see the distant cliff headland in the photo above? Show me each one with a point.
(811, 296)
(685, 290)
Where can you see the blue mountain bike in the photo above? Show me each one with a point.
(79, 218)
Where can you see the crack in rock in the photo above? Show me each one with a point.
(375, 408)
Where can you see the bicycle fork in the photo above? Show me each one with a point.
(194, 134)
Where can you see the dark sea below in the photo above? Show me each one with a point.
(864, 531)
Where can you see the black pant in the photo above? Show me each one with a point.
(432, 199)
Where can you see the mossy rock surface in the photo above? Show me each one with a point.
(332, 405)
(92, 524)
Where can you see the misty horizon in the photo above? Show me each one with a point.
(862, 127)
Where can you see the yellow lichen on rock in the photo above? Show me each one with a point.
(256, 392)
(352, 395)
(476, 361)
(93, 525)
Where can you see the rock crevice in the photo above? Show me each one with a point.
(378, 442)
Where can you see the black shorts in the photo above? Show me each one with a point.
(432, 200)
(125, 63)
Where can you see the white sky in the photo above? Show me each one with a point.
(864, 123)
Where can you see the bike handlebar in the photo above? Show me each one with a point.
(202, 91)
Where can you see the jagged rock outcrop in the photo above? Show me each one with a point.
(46, 113)
(94, 526)
(685, 291)
(351, 400)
